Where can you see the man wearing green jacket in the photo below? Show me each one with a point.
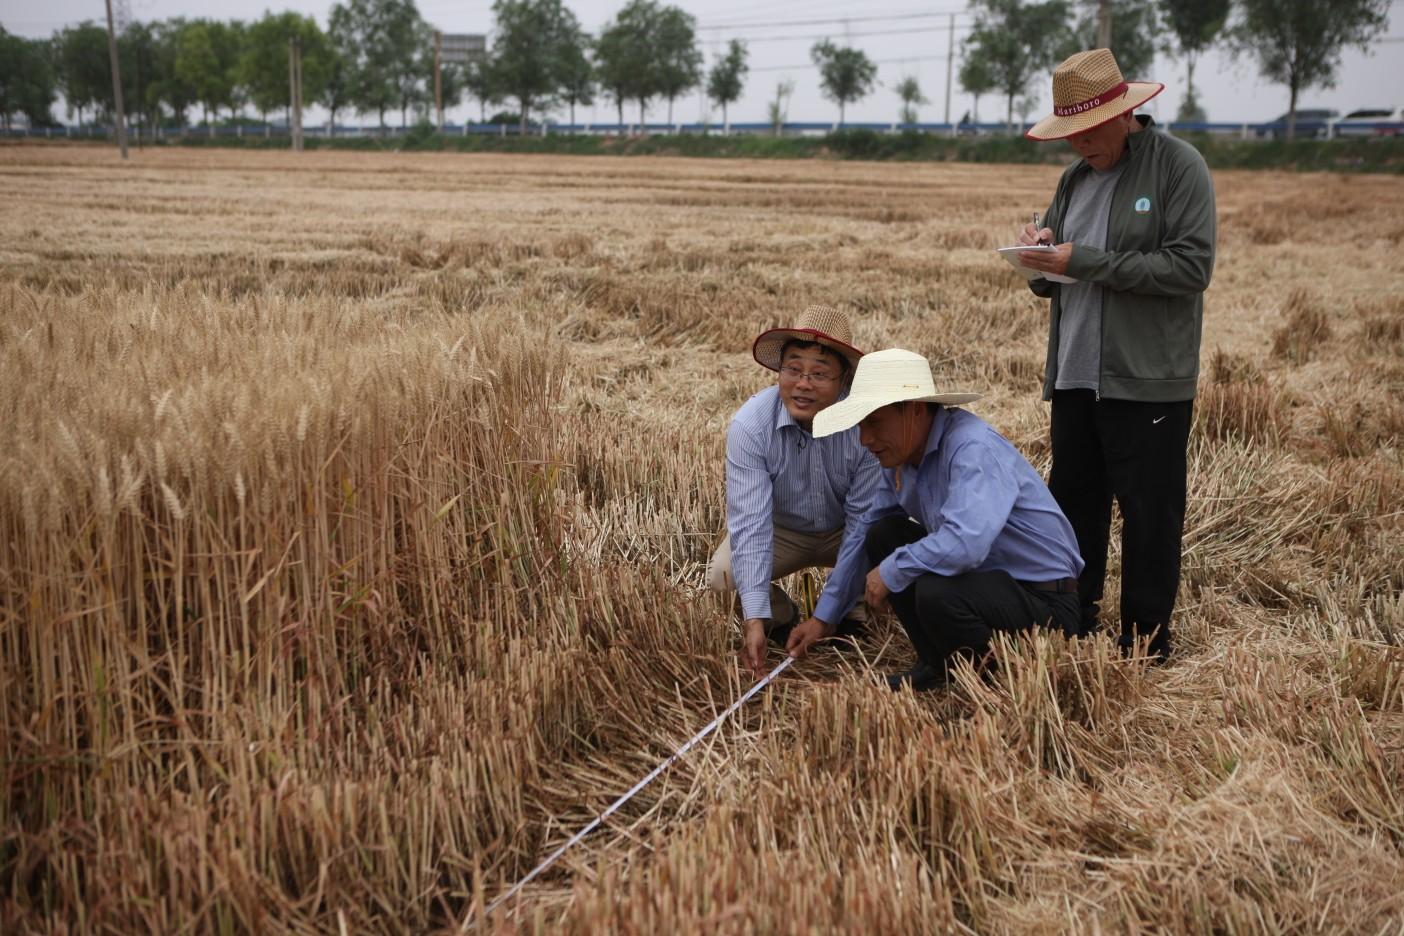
(1132, 230)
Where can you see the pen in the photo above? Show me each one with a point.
(1038, 228)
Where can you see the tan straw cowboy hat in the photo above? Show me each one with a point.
(818, 323)
(1088, 91)
(884, 377)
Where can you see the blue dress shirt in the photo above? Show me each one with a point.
(777, 474)
(984, 506)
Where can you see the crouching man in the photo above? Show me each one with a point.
(794, 501)
(963, 538)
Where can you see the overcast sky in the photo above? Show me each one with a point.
(905, 38)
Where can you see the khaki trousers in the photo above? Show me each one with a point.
(791, 552)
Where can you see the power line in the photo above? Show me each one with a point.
(857, 35)
(892, 61)
(838, 21)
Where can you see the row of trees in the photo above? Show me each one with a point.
(376, 56)
(1297, 43)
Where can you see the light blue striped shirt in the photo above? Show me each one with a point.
(984, 508)
(777, 474)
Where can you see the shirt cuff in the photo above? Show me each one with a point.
(894, 578)
(756, 604)
(828, 610)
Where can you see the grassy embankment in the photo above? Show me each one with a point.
(1303, 155)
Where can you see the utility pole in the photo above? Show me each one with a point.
(438, 79)
(950, 70)
(295, 93)
(1104, 24)
(116, 82)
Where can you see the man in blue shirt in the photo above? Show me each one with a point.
(963, 538)
(793, 501)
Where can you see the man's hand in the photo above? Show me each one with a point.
(807, 635)
(1031, 236)
(753, 646)
(1047, 261)
(876, 592)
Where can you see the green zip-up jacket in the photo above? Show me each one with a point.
(1154, 270)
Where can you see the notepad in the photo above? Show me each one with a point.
(1012, 255)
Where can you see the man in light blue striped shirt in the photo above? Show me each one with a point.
(793, 501)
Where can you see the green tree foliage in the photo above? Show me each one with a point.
(168, 91)
(1298, 42)
(977, 79)
(263, 61)
(139, 51)
(677, 62)
(577, 73)
(727, 78)
(534, 38)
(845, 74)
(778, 109)
(207, 62)
(381, 42)
(625, 56)
(28, 84)
(480, 83)
(1194, 26)
(84, 68)
(1135, 25)
(909, 90)
(1017, 43)
(337, 88)
(412, 75)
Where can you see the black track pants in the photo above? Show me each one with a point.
(1134, 452)
(948, 617)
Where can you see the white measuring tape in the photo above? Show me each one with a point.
(638, 786)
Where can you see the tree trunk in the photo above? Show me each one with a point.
(1009, 114)
(670, 111)
(619, 103)
(726, 121)
(1292, 110)
(572, 116)
(841, 114)
(525, 104)
(643, 124)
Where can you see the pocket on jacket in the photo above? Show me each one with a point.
(1158, 339)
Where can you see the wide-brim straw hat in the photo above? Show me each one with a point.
(883, 377)
(1088, 91)
(818, 323)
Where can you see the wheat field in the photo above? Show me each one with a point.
(355, 510)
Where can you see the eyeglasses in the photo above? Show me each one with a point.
(791, 372)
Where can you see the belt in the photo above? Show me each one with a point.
(1066, 586)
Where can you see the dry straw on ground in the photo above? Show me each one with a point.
(354, 511)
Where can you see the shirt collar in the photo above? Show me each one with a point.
(938, 432)
(783, 418)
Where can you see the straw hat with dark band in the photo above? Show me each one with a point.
(1088, 91)
(822, 324)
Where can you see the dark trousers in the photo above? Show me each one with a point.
(1134, 452)
(949, 617)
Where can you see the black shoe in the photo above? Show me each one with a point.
(922, 678)
(855, 630)
(779, 634)
(1157, 648)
